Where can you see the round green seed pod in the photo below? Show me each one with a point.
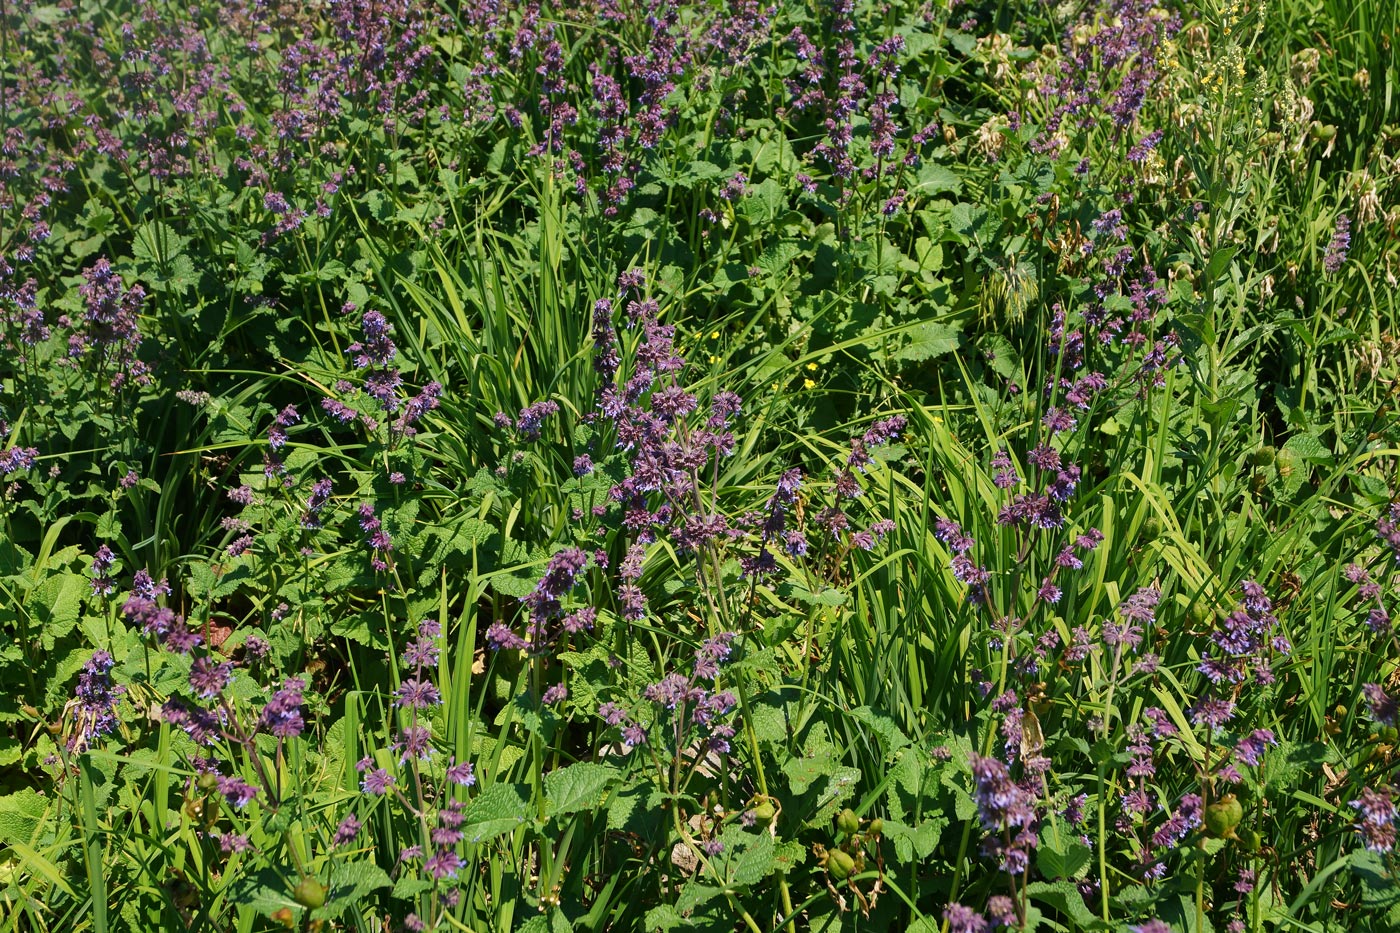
(310, 893)
(1223, 816)
(1248, 839)
(1262, 457)
(848, 822)
(840, 865)
(764, 814)
(877, 826)
(207, 782)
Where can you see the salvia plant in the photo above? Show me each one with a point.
(683, 465)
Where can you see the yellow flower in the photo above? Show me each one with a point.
(812, 367)
(808, 384)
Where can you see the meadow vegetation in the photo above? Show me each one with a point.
(926, 465)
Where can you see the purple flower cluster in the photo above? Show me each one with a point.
(1007, 811)
(373, 354)
(1376, 818)
(697, 713)
(1245, 641)
(284, 715)
(1138, 610)
(316, 502)
(1384, 709)
(531, 419)
(1339, 245)
(1110, 62)
(273, 467)
(14, 459)
(1186, 818)
(964, 569)
(547, 622)
(417, 693)
(110, 328)
(102, 561)
(1056, 485)
(142, 609)
(95, 701)
(377, 537)
(1388, 530)
(1368, 591)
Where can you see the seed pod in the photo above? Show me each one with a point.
(310, 893)
(1248, 839)
(848, 822)
(207, 782)
(840, 865)
(1223, 816)
(1262, 457)
(877, 826)
(764, 814)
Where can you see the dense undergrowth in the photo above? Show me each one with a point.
(906, 466)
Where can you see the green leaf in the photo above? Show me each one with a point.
(664, 917)
(577, 787)
(1064, 896)
(1001, 356)
(967, 221)
(408, 887)
(1069, 859)
(936, 179)
(764, 203)
(56, 603)
(827, 597)
(699, 170)
(21, 814)
(155, 242)
(1378, 888)
(803, 772)
(496, 811)
(694, 894)
(929, 340)
(350, 883)
(512, 585)
(1309, 448)
(883, 725)
(266, 892)
(757, 860)
(915, 842)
